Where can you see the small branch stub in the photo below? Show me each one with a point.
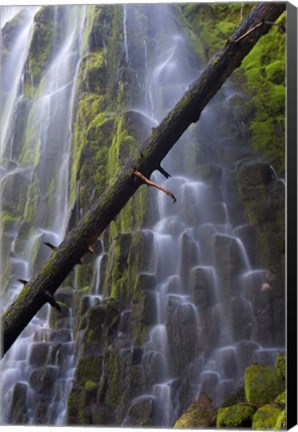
(151, 183)
(52, 301)
(23, 281)
(163, 172)
(51, 246)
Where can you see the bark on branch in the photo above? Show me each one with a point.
(43, 285)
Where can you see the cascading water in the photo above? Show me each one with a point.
(13, 67)
(205, 326)
(205, 331)
(41, 358)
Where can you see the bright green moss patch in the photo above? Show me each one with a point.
(264, 70)
(262, 384)
(235, 416)
(281, 366)
(89, 369)
(200, 415)
(281, 399)
(267, 417)
(90, 385)
(281, 422)
(275, 72)
(42, 43)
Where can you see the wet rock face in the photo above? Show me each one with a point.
(202, 286)
(228, 261)
(189, 257)
(182, 330)
(12, 27)
(19, 410)
(242, 319)
(140, 413)
(39, 354)
(108, 374)
(42, 380)
(14, 191)
(248, 235)
(263, 196)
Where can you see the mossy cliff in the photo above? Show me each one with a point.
(258, 111)
(238, 147)
(107, 134)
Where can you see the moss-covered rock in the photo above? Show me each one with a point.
(235, 416)
(79, 406)
(281, 366)
(267, 417)
(262, 384)
(200, 415)
(281, 422)
(42, 379)
(89, 368)
(141, 413)
(19, 409)
(11, 30)
(14, 192)
(42, 44)
(103, 414)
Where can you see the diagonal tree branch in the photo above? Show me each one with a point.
(41, 288)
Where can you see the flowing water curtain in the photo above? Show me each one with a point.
(203, 322)
(203, 288)
(46, 138)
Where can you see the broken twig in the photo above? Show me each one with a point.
(248, 32)
(23, 281)
(52, 301)
(163, 172)
(151, 183)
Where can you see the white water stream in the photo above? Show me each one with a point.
(36, 357)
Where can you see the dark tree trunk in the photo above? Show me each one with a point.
(41, 288)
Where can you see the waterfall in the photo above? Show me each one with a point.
(125, 33)
(202, 264)
(195, 291)
(41, 356)
(13, 67)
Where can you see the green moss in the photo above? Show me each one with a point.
(275, 72)
(42, 43)
(281, 399)
(235, 416)
(281, 422)
(118, 369)
(89, 369)
(32, 201)
(236, 398)
(200, 415)
(262, 384)
(8, 221)
(90, 385)
(281, 366)
(78, 407)
(266, 417)
(264, 70)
